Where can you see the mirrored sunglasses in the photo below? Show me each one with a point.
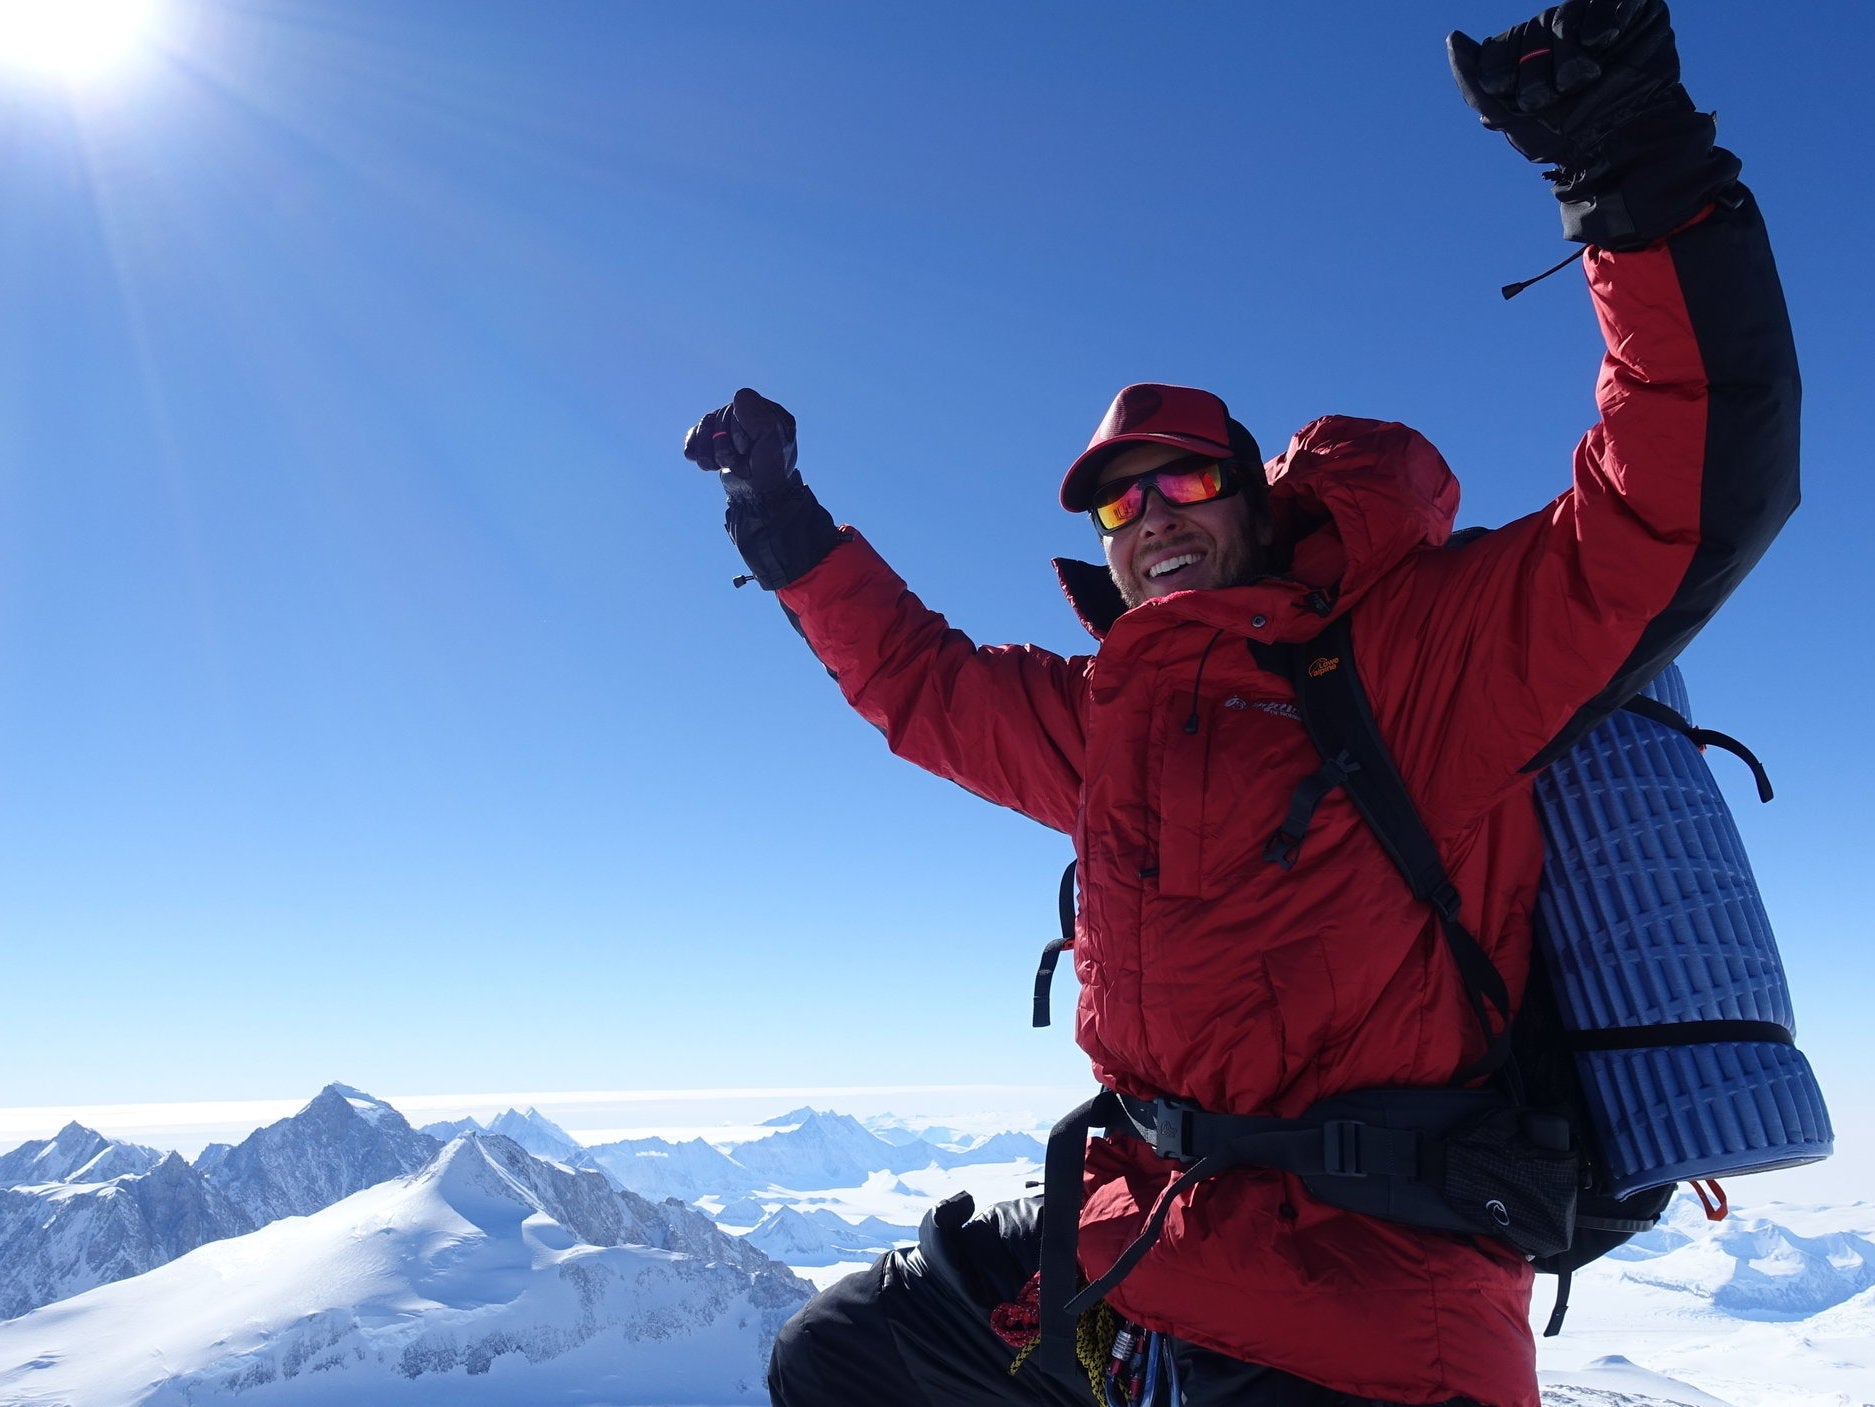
(1193, 479)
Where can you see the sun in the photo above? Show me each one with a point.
(71, 39)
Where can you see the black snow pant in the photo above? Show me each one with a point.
(914, 1331)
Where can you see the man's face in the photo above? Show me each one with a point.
(1182, 547)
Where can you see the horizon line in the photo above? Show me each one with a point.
(163, 1113)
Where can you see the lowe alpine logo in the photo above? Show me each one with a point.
(1324, 664)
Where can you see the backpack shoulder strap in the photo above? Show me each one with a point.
(1340, 722)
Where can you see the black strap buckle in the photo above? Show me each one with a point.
(1282, 849)
(1341, 1148)
(1172, 1130)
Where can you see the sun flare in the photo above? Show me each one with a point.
(71, 39)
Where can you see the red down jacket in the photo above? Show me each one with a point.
(1211, 974)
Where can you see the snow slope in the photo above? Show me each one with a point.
(488, 1277)
(1612, 1381)
(1773, 1307)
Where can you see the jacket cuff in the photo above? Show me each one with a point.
(781, 535)
(1650, 177)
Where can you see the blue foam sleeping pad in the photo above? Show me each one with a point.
(1649, 914)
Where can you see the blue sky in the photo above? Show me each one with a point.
(374, 704)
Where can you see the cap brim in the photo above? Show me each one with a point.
(1077, 488)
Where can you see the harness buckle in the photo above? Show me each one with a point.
(1341, 1148)
(1172, 1129)
(1176, 1130)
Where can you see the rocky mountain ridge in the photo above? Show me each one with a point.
(60, 1238)
(74, 1154)
(488, 1272)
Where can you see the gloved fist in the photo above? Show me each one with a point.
(1593, 87)
(774, 519)
(750, 441)
(1560, 83)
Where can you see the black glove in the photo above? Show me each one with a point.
(1593, 87)
(774, 519)
(750, 440)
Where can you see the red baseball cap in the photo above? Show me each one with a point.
(1167, 415)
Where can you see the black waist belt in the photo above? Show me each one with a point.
(1382, 1152)
(1183, 1132)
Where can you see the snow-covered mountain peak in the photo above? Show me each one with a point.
(538, 1134)
(814, 1129)
(365, 1106)
(173, 1168)
(657, 1168)
(51, 1159)
(473, 1166)
(794, 1118)
(74, 1154)
(827, 1120)
(788, 1236)
(446, 1129)
(493, 1182)
(831, 1150)
(342, 1141)
(488, 1175)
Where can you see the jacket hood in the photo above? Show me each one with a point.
(1350, 498)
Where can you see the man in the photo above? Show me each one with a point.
(1230, 954)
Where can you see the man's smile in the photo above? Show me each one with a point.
(1167, 565)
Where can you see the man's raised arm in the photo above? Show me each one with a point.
(1003, 721)
(1692, 469)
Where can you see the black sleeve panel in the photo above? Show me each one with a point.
(1749, 480)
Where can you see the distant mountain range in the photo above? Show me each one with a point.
(811, 1149)
(60, 1238)
(340, 1256)
(823, 1237)
(496, 1275)
(80, 1210)
(1752, 1267)
(532, 1129)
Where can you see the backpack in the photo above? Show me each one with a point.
(1653, 1045)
